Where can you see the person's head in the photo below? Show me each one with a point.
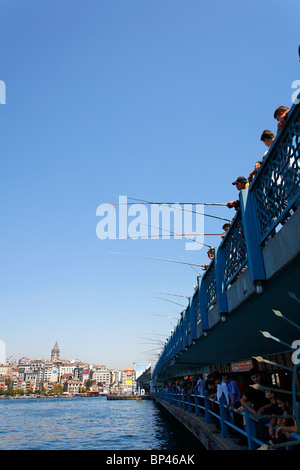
(283, 401)
(255, 376)
(240, 182)
(257, 165)
(225, 378)
(280, 111)
(218, 377)
(269, 394)
(267, 137)
(211, 253)
(226, 227)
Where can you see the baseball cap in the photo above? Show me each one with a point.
(240, 179)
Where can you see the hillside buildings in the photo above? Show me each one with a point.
(71, 377)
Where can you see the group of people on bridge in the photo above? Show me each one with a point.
(274, 415)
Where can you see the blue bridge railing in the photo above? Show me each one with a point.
(276, 190)
(264, 206)
(250, 427)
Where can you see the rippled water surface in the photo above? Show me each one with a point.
(90, 423)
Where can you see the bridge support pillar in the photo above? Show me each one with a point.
(252, 239)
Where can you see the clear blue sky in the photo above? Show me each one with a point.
(157, 100)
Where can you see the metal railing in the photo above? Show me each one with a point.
(276, 188)
(235, 250)
(217, 411)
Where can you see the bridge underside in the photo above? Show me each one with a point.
(239, 338)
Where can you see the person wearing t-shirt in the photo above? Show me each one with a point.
(240, 183)
(255, 395)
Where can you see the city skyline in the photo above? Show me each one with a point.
(138, 367)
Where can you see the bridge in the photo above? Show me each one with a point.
(255, 270)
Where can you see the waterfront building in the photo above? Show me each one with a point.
(64, 378)
(50, 374)
(101, 376)
(71, 387)
(65, 370)
(32, 380)
(17, 382)
(2, 384)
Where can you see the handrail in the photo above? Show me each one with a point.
(184, 401)
(276, 186)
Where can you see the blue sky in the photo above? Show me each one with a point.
(157, 100)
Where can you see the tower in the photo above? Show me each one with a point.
(55, 353)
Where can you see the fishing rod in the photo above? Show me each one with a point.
(153, 340)
(178, 235)
(174, 234)
(194, 269)
(179, 208)
(160, 259)
(164, 316)
(175, 295)
(187, 203)
(167, 300)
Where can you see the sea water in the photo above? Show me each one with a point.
(90, 423)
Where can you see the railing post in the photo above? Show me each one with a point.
(250, 429)
(189, 403)
(223, 416)
(207, 407)
(184, 401)
(252, 237)
(220, 280)
(203, 304)
(193, 319)
(197, 410)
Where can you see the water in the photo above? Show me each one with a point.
(91, 424)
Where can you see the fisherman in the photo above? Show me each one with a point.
(240, 183)
(267, 137)
(281, 115)
(255, 171)
(225, 228)
(211, 255)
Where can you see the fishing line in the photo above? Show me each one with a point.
(160, 259)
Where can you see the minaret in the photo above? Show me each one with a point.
(55, 353)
